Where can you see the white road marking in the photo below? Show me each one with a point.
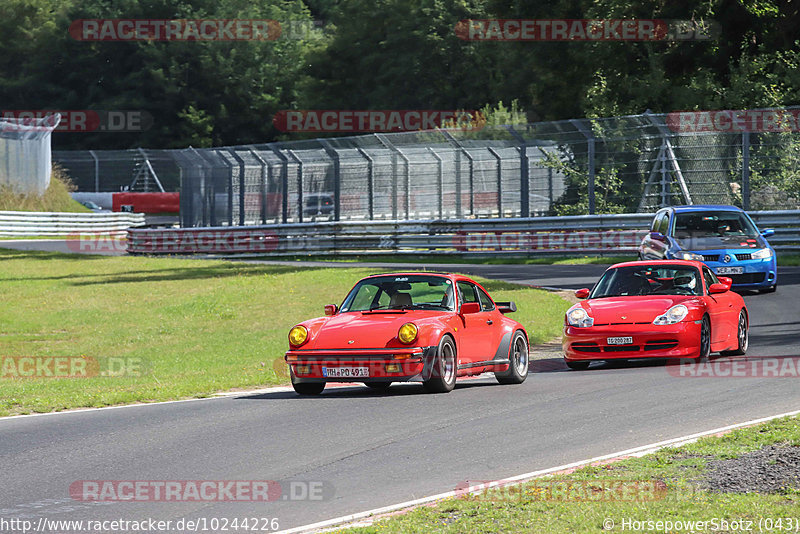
(519, 479)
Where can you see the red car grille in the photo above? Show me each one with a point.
(665, 344)
(588, 346)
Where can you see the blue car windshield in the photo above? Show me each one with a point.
(402, 292)
(648, 280)
(699, 224)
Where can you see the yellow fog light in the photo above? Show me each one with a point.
(298, 335)
(407, 333)
(392, 367)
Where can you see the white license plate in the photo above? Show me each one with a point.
(730, 270)
(619, 340)
(345, 372)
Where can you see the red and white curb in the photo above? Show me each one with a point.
(368, 517)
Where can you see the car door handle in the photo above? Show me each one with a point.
(489, 321)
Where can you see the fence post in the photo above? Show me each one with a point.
(407, 175)
(263, 185)
(284, 182)
(370, 183)
(230, 185)
(240, 161)
(96, 169)
(746, 170)
(494, 153)
(299, 183)
(440, 179)
(524, 172)
(337, 176)
(590, 153)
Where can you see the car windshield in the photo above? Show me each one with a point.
(699, 224)
(648, 280)
(401, 292)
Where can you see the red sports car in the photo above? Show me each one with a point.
(409, 327)
(655, 309)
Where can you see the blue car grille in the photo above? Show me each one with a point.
(747, 278)
(742, 257)
(710, 257)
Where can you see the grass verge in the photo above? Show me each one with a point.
(195, 327)
(452, 259)
(56, 198)
(601, 498)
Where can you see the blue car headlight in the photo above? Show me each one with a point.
(691, 256)
(763, 254)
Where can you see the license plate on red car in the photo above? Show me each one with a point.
(345, 372)
(730, 270)
(619, 340)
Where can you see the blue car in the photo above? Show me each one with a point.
(723, 237)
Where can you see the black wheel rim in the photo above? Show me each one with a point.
(743, 340)
(705, 339)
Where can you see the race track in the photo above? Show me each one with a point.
(369, 450)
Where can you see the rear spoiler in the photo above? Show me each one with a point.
(506, 307)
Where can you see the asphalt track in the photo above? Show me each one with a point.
(367, 450)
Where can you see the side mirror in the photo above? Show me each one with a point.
(470, 307)
(582, 293)
(657, 236)
(767, 232)
(728, 282)
(506, 307)
(331, 309)
(717, 288)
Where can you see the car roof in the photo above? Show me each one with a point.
(453, 276)
(685, 263)
(705, 207)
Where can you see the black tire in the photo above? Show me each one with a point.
(445, 368)
(378, 386)
(771, 289)
(705, 341)
(309, 388)
(742, 336)
(519, 356)
(580, 365)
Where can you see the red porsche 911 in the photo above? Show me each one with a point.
(409, 327)
(655, 309)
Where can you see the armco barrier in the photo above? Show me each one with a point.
(573, 235)
(34, 223)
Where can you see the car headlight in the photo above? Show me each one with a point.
(673, 315)
(579, 317)
(298, 335)
(762, 254)
(407, 333)
(691, 256)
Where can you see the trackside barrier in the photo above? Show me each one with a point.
(34, 223)
(572, 235)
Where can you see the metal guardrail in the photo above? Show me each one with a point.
(36, 223)
(573, 235)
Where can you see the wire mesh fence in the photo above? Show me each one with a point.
(612, 165)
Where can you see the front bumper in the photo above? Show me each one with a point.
(757, 274)
(681, 340)
(412, 364)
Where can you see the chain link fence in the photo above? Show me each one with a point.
(613, 165)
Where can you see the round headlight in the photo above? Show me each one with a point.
(673, 315)
(298, 335)
(407, 333)
(577, 316)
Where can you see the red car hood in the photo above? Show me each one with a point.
(366, 330)
(638, 309)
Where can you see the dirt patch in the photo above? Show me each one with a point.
(768, 470)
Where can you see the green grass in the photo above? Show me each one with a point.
(56, 198)
(522, 509)
(199, 326)
(789, 260)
